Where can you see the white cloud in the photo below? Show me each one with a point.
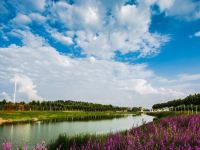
(38, 4)
(189, 77)
(21, 19)
(99, 28)
(28, 5)
(141, 86)
(197, 15)
(86, 14)
(25, 85)
(140, 14)
(28, 38)
(64, 39)
(4, 95)
(37, 17)
(197, 34)
(182, 9)
(43, 71)
(100, 34)
(165, 5)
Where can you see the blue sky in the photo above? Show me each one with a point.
(114, 52)
(182, 53)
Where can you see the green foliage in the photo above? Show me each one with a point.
(136, 109)
(65, 142)
(188, 101)
(59, 105)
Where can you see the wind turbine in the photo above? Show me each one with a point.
(15, 89)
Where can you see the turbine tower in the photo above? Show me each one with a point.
(15, 89)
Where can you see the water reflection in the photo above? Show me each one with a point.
(32, 133)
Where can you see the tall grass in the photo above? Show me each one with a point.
(66, 142)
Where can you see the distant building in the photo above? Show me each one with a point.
(165, 109)
(21, 107)
(144, 109)
(162, 109)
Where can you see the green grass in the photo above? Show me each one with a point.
(65, 141)
(17, 116)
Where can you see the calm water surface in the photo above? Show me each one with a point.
(32, 133)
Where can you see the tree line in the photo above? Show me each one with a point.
(187, 101)
(59, 105)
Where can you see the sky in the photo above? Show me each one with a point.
(119, 52)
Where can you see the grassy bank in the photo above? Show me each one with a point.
(27, 116)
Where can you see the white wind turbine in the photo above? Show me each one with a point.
(15, 89)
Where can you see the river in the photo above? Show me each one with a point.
(32, 133)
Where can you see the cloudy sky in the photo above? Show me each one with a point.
(120, 52)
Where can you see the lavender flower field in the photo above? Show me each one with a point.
(180, 133)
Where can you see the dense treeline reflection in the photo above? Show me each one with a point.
(75, 118)
(58, 105)
(85, 118)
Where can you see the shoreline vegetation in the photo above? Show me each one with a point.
(52, 116)
(173, 132)
(60, 110)
(170, 130)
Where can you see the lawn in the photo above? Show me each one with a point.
(17, 116)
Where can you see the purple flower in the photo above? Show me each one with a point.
(7, 145)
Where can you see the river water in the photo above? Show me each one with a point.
(32, 133)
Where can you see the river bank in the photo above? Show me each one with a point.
(34, 116)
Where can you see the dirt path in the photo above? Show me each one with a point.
(2, 121)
